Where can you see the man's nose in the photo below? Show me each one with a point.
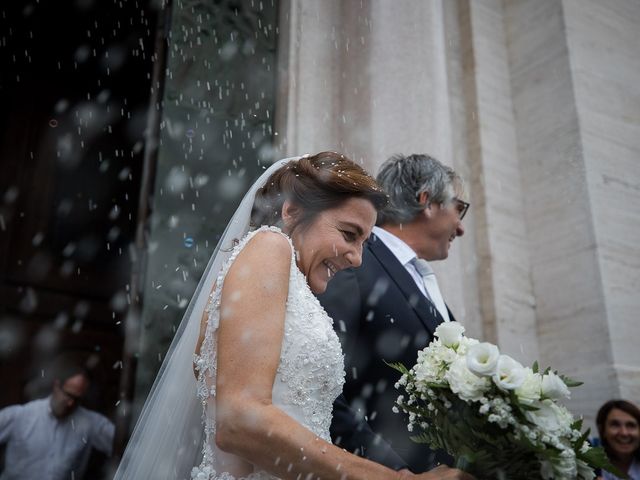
(460, 229)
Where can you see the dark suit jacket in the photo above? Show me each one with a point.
(379, 314)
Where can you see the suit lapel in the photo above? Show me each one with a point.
(424, 309)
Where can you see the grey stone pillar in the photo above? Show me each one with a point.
(413, 77)
(500, 240)
(575, 80)
(535, 103)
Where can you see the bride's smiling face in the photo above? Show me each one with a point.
(333, 241)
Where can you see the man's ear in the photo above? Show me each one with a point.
(423, 199)
(290, 213)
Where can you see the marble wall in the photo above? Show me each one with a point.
(603, 41)
(536, 104)
(570, 308)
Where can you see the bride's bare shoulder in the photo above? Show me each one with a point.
(268, 245)
(267, 255)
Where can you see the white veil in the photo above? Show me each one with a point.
(166, 442)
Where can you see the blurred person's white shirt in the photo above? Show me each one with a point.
(39, 445)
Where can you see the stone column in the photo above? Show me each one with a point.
(603, 42)
(574, 77)
(535, 103)
(377, 78)
(504, 284)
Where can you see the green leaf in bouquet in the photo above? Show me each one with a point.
(422, 438)
(487, 450)
(398, 366)
(523, 407)
(577, 425)
(583, 438)
(597, 458)
(528, 444)
(535, 367)
(527, 408)
(437, 385)
(468, 459)
(570, 382)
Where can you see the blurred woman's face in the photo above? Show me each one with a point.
(622, 433)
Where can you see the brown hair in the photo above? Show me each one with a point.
(314, 183)
(601, 420)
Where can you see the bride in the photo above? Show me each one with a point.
(267, 363)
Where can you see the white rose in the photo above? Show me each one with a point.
(531, 387)
(553, 387)
(545, 417)
(464, 383)
(509, 373)
(449, 333)
(482, 359)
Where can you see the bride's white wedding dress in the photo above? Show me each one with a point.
(310, 373)
(167, 440)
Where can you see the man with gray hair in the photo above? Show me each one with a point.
(389, 308)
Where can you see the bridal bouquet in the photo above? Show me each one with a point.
(499, 419)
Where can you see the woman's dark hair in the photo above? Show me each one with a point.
(314, 184)
(601, 421)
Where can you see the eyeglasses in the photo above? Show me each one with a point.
(70, 396)
(462, 207)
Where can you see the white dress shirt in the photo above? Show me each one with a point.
(41, 446)
(406, 256)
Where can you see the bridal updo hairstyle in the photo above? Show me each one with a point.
(314, 183)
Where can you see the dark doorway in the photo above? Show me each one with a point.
(75, 79)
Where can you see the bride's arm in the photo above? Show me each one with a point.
(249, 341)
(250, 336)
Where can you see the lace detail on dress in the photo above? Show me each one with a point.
(310, 374)
(311, 366)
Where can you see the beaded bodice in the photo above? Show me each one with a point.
(309, 376)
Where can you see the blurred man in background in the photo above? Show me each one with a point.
(52, 438)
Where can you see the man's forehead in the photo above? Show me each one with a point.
(76, 381)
